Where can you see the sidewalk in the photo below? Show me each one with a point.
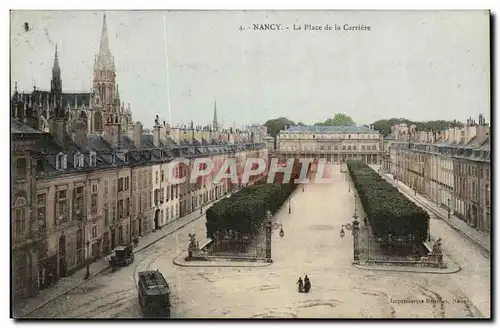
(24, 307)
(480, 238)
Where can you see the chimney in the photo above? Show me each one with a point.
(136, 134)
(156, 133)
(56, 128)
(112, 134)
(80, 135)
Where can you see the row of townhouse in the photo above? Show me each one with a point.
(452, 168)
(75, 198)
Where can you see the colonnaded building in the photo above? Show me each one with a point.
(334, 143)
(86, 179)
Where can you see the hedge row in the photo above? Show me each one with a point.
(388, 211)
(246, 209)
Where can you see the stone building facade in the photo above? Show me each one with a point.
(334, 143)
(28, 228)
(451, 167)
(90, 194)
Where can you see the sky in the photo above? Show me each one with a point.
(421, 65)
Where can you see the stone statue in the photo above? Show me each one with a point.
(192, 241)
(436, 249)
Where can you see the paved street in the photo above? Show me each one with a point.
(311, 246)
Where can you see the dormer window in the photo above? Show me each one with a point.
(78, 160)
(125, 157)
(113, 158)
(61, 161)
(93, 159)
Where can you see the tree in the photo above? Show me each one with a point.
(384, 126)
(336, 120)
(274, 126)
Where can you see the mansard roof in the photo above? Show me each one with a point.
(329, 129)
(107, 157)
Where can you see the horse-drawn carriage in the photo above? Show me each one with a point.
(122, 255)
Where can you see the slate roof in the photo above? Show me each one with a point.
(329, 129)
(106, 156)
(19, 127)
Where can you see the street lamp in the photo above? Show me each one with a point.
(289, 206)
(354, 226)
(355, 234)
(355, 203)
(87, 274)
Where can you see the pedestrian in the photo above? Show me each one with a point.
(307, 284)
(301, 285)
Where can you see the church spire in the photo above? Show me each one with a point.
(104, 49)
(56, 83)
(215, 124)
(104, 59)
(56, 67)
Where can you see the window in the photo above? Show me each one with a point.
(168, 192)
(62, 211)
(79, 246)
(113, 158)
(126, 183)
(156, 196)
(167, 212)
(105, 188)
(120, 184)
(113, 211)
(93, 159)
(156, 177)
(20, 217)
(93, 203)
(94, 230)
(172, 212)
(78, 207)
(106, 215)
(41, 204)
(76, 160)
(120, 208)
(127, 207)
(61, 161)
(21, 168)
(162, 176)
(81, 160)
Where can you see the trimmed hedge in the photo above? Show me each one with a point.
(246, 209)
(389, 211)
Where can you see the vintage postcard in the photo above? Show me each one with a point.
(250, 164)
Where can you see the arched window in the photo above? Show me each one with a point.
(61, 161)
(20, 217)
(76, 160)
(93, 159)
(98, 122)
(81, 160)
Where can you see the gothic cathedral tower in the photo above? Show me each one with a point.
(56, 82)
(105, 92)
